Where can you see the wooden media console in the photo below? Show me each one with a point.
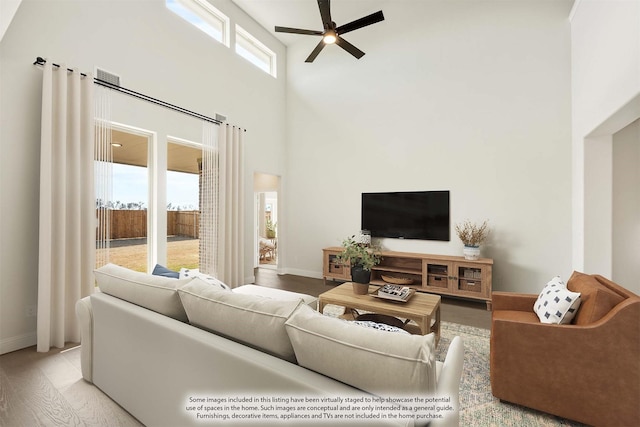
(436, 274)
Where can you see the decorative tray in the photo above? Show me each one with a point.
(397, 280)
(411, 293)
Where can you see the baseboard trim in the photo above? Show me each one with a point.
(19, 342)
(303, 273)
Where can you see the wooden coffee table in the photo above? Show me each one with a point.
(421, 308)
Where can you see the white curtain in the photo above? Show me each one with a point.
(103, 170)
(67, 206)
(209, 226)
(231, 205)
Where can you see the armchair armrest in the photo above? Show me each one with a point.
(512, 301)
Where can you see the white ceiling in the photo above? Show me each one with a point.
(304, 14)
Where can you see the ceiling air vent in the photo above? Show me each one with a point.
(108, 77)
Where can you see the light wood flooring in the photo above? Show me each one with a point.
(47, 389)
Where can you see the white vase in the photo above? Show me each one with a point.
(471, 252)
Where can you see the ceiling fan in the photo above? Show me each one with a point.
(333, 34)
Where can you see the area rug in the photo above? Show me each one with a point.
(478, 407)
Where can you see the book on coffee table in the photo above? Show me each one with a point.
(394, 292)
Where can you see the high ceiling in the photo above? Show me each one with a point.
(268, 13)
(304, 14)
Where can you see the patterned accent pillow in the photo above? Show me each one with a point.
(194, 272)
(379, 326)
(556, 304)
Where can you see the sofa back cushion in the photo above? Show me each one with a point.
(157, 293)
(597, 300)
(375, 361)
(251, 319)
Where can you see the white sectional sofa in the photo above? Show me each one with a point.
(155, 345)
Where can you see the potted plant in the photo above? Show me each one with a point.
(472, 236)
(361, 258)
(270, 229)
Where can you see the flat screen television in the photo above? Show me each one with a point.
(422, 215)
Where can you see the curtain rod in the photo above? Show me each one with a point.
(42, 61)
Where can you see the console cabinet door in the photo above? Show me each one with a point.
(438, 275)
(333, 268)
(471, 279)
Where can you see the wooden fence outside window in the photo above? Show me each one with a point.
(129, 224)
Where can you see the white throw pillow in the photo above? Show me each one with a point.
(157, 293)
(194, 272)
(556, 304)
(253, 320)
(374, 361)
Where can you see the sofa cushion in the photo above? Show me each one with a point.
(194, 272)
(597, 300)
(556, 304)
(157, 293)
(374, 361)
(515, 316)
(253, 320)
(274, 293)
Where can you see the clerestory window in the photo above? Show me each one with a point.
(201, 14)
(204, 16)
(255, 52)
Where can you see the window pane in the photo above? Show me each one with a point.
(183, 206)
(127, 203)
(255, 52)
(204, 16)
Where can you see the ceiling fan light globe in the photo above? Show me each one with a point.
(329, 38)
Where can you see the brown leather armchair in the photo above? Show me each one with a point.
(588, 371)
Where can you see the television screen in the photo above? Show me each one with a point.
(422, 215)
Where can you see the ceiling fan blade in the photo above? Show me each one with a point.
(325, 12)
(315, 52)
(349, 47)
(297, 31)
(362, 22)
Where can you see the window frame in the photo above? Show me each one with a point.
(255, 49)
(208, 13)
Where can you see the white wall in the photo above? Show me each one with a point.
(467, 96)
(626, 207)
(8, 9)
(156, 53)
(605, 47)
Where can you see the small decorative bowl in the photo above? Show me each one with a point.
(396, 280)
